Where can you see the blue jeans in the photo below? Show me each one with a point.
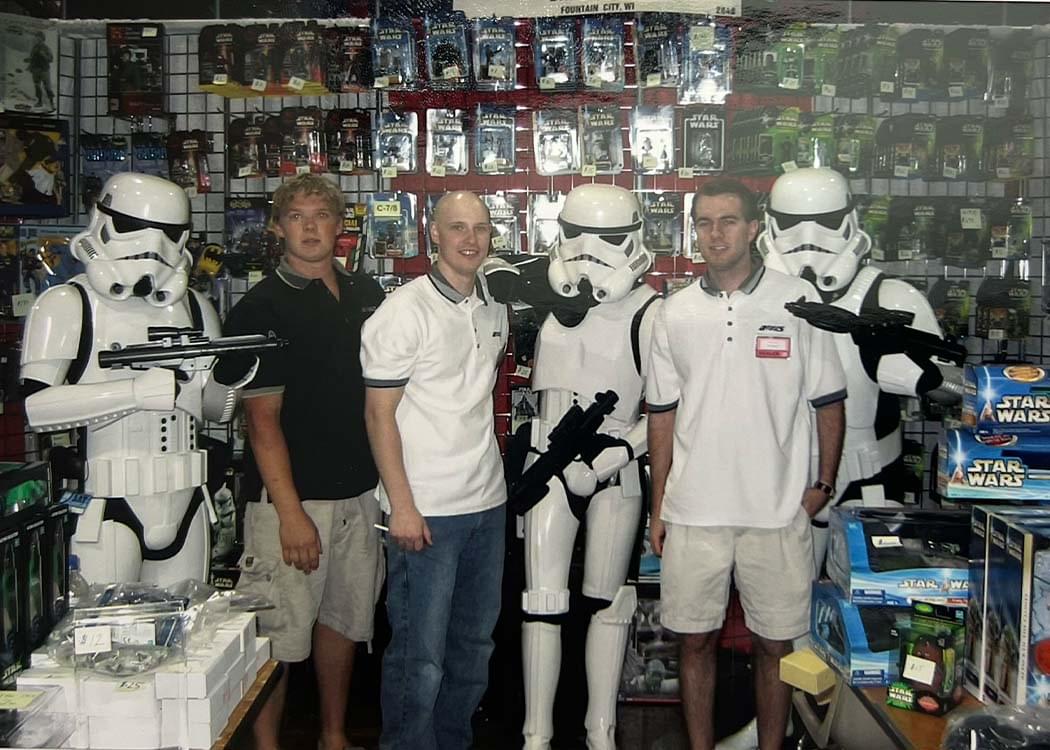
(443, 603)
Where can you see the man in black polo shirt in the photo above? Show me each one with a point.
(310, 541)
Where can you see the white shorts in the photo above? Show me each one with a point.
(772, 568)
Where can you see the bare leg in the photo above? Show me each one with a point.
(267, 727)
(772, 697)
(334, 664)
(697, 675)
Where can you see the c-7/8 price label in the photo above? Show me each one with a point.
(386, 209)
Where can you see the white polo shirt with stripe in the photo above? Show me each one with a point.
(742, 373)
(444, 349)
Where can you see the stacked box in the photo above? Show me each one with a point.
(931, 645)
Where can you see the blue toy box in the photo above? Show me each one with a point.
(1013, 398)
(993, 467)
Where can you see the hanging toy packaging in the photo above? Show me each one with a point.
(219, 59)
(188, 161)
(603, 68)
(966, 63)
(349, 60)
(302, 150)
(494, 139)
(149, 153)
(503, 212)
(602, 139)
(555, 141)
(703, 134)
(554, 49)
(659, 50)
(495, 63)
(246, 147)
(260, 57)
(394, 54)
(348, 136)
(707, 77)
(1003, 308)
(448, 60)
(446, 143)
(301, 69)
(390, 229)
(661, 230)
(543, 221)
(136, 69)
(652, 139)
(396, 142)
(950, 300)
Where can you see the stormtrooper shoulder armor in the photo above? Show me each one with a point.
(52, 339)
(895, 294)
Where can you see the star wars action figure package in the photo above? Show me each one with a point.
(188, 161)
(394, 54)
(1003, 309)
(503, 211)
(967, 231)
(261, 57)
(816, 140)
(136, 69)
(149, 153)
(396, 141)
(543, 221)
(554, 51)
(391, 229)
(930, 659)
(703, 133)
(854, 145)
(905, 147)
(29, 65)
(348, 51)
(495, 62)
(659, 50)
(303, 148)
(661, 222)
(602, 50)
(1010, 226)
(959, 148)
(950, 300)
(1009, 147)
(602, 140)
(652, 139)
(219, 50)
(348, 136)
(494, 140)
(764, 141)
(920, 55)
(971, 466)
(102, 157)
(891, 557)
(448, 59)
(1011, 70)
(555, 141)
(1012, 399)
(965, 69)
(302, 59)
(707, 73)
(823, 61)
(246, 147)
(446, 143)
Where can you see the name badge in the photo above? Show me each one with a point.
(773, 347)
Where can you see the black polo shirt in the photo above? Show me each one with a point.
(318, 375)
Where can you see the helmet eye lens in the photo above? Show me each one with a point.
(127, 224)
(831, 220)
(173, 234)
(613, 239)
(571, 232)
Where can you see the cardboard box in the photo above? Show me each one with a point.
(132, 697)
(200, 673)
(116, 733)
(931, 647)
(891, 557)
(244, 625)
(1012, 399)
(993, 467)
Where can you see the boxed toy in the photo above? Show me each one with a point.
(136, 69)
(856, 641)
(892, 557)
(1012, 398)
(993, 467)
(930, 659)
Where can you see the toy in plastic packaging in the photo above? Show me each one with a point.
(273, 143)
(188, 161)
(764, 141)
(707, 74)
(602, 50)
(495, 62)
(905, 147)
(965, 63)
(261, 59)
(36, 717)
(873, 215)
(448, 59)
(349, 59)
(446, 142)
(494, 140)
(47, 256)
(555, 141)
(543, 221)
(854, 145)
(103, 156)
(246, 147)
(790, 51)
(816, 140)
(1010, 229)
(554, 49)
(822, 61)
(960, 148)
(302, 70)
(396, 141)
(652, 139)
(305, 150)
(950, 300)
(14, 645)
(250, 246)
(124, 641)
(136, 69)
(703, 134)
(1009, 147)
(1011, 70)
(998, 728)
(391, 229)
(601, 139)
(219, 50)
(913, 232)
(29, 59)
(689, 247)
(920, 54)
(931, 649)
(149, 153)
(661, 222)
(394, 54)
(503, 212)
(966, 232)
(348, 136)
(659, 50)
(1003, 308)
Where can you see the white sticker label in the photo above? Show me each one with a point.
(498, 72)
(18, 699)
(489, 166)
(381, 82)
(884, 542)
(523, 371)
(701, 38)
(594, 81)
(919, 669)
(452, 71)
(220, 79)
(909, 92)
(245, 171)
(653, 79)
(955, 92)
(877, 253)
(950, 172)
(302, 169)
(499, 243)
(649, 162)
(149, 31)
(789, 166)
(345, 165)
(258, 84)
(789, 83)
(547, 83)
(970, 218)
(92, 639)
(886, 87)
(685, 173)
(996, 334)
(389, 173)
(588, 170)
(905, 254)
(136, 634)
(21, 304)
(1000, 101)
(386, 209)
(295, 83)
(254, 277)
(129, 686)
(828, 89)
(902, 172)
(1004, 173)
(999, 253)
(438, 170)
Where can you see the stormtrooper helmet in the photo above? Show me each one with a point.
(599, 249)
(135, 243)
(811, 224)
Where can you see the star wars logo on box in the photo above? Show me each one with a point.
(503, 212)
(494, 139)
(602, 139)
(135, 54)
(993, 466)
(1014, 399)
(661, 222)
(495, 62)
(704, 139)
(659, 51)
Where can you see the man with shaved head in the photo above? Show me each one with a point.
(430, 355)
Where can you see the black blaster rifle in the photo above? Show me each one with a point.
(887, 331)
(175, 347)
(575, 435)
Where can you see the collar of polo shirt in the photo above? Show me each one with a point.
(708, 284)
(451, 293)
(295, 280)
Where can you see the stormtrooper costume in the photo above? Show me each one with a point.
(143, 469)
(599, 255)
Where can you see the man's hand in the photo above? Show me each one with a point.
(657, 533)
(813, 500)
(300, 542)
(409, 529)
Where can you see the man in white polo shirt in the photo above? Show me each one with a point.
(430, 355)
(732, 378)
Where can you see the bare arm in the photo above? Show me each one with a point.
(300, 542)
(407, 527)
(831, 427)
(661, 447)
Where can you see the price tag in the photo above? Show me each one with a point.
(149, 31)
(61, 439)
(1004, 173)
(902, 171)
(18, 699)
(789, 166)
(594, 81)
(489, 166)
(452, 71)
(919, 669)
(389, 173)
(649, 162)
(258, 84)
(523, 371)
(438, 170)
(191, 192)
(701, 37)
(685, 173)
(302, 169)
(878, 253)
(135, 634)
(970, 218)
(653, 79)
(547, 83)
(999, 252)
(828, 89)
(950, 172)
(1000, 101)
(254, 277)
(886, 87)
(904, 254)
(996, 334)
(381, 82)
(345, 165)
(955, 92)
(92, 639)
(21, 304)
(295, 83)
(220, 79)
(245, 171)
(498, 72)
(883, 542)
(908, 92)
(386, 209)
(789, 83)
(499, 243)
(588, 170)
(129, 686)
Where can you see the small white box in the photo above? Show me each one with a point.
(173, 730)
(211, 709)
(63, 677)
(41, 658)
(81, 738)
(199, 674)
(202, 735)
(243, 623)
(132, 697)
(118, 733)
(262, 650)
(237, 670)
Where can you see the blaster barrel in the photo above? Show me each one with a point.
(169, 351)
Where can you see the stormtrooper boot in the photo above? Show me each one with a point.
(541, 661)
(606, 643)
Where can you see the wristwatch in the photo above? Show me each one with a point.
(824, 487)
